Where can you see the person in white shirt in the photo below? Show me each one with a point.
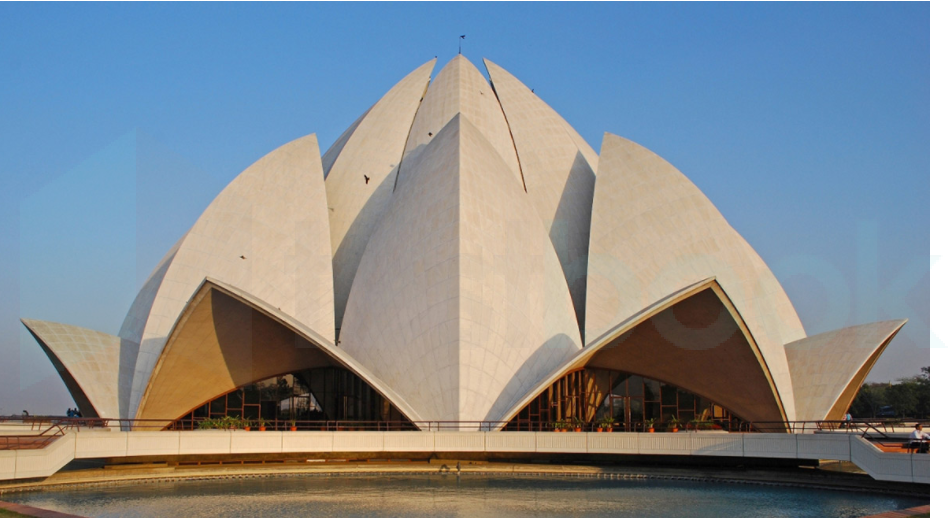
(920, 439)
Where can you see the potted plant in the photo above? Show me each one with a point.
(261, 424)
(648, 424)
(673, 424)
(702, 424)
(293, 423)
(577, 423)
(606, 422)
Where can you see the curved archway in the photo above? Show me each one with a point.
(325, 398)
(694, 339)
(587, 396)
(225, 340)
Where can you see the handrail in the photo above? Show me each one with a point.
(55, 425)
(33, 441)
(868, 428)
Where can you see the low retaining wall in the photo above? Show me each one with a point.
(903, 467)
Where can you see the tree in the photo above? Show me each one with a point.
(869, 400)
(903, 397)
(909, 397)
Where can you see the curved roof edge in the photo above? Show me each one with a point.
(274, 212)
(652, 230)
(322, 343)
(94, 365)
(828, 369)
(628, 324)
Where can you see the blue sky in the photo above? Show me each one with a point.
(808, 125)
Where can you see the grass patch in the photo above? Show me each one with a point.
(9, 514)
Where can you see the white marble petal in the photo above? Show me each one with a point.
(459, 303)
(557, 175)
(90, 363)
(371, 148)
(828, 369)
(267, 233)
(653, 233)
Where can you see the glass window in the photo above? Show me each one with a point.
(252, 395)
(668, 393)
(636, 410)
(651, 390)
(218, 406)
(686, 400)
(235, 400)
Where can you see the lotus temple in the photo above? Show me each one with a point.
(461, 255)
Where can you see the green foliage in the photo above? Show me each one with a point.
(222, 423)
(701, 424)
(909, 397)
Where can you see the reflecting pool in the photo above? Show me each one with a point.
(468, 496)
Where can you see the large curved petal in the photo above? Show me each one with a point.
(372, 148)
(459, 303)
(267, 232)
(653, 231)
(828, 369)
(558, 178)
(227, 338)
(95, 366)
(461, 88)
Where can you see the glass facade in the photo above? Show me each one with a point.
(324, 398)
(588, 395)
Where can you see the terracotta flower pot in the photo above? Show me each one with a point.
(262, 428)
(610, 429)
(674, 430)
(247, 428)
(577, 429)
(293, 428)
(650, 429)
(599, 430)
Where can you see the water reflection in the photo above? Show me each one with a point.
(466, 496)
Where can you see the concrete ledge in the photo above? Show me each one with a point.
(358, 441)
(561, 442)
(298, 442)
(94, 445)
(152, 443)
(770, 445)
(511, 442)
(898, 467)
(665, 444)
(832, 446)
(613, 443)
(205, 442)
(409, 442)
(459, 441)
(257, 442)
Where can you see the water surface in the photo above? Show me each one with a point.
(465, 496)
